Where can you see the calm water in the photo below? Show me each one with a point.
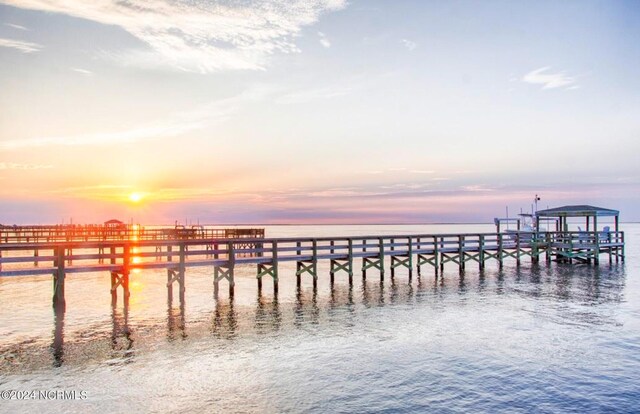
(538, 338)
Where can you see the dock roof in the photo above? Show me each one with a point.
(577, 211)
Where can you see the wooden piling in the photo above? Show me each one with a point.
(59, 301)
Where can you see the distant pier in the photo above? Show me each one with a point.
(41, 252)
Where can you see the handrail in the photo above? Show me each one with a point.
(150, 253)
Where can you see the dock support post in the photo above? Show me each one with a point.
(435, 255)
(310, 266)
(121, 278)
(59, 302)
(410, 252)
(403, 260)
(177, 275)
(270, 269)
(377, 262)
(343, 264)
(298, 253)
(381, 257)
(225, 272)
(481, 251)
(418, 256)
(548, 247)
(392, 248)
(461, 253)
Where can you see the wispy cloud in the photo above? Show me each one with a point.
(82, 71)
(401, 170)
(410, 45)
(24, 47)
(477, 188)
(179, 124)
(16, 26)
(549, 80)
(324, 41)
(200, 36)
(18, 166)
(314, 94)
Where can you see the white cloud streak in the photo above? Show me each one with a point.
(410, 45)
(199, 36)
(82, 71)
(324, 41)
(16, 26)
(24, 47)
(548, 80)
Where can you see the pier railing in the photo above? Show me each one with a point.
(25, 258)
(84, 233)
(177, 253)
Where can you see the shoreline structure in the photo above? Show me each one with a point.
(120, 249)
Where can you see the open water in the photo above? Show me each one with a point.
(534, 338)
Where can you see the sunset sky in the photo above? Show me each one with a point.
(316, 111)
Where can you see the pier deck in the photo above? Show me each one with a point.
(133, 232)
(176, 253)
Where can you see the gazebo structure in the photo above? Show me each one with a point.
(590, 214)
(114, 224)
(582, 245)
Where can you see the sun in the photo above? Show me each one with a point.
(136, 197)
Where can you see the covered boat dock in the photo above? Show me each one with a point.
(590, 214)
(587, 244)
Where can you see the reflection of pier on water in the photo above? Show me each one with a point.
(344, 303)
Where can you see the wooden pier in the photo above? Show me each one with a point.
(134, 232)
(175, 254)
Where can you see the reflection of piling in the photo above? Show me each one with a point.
(120, 326)
(224, 319)
(57, 347)
(176, 320)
